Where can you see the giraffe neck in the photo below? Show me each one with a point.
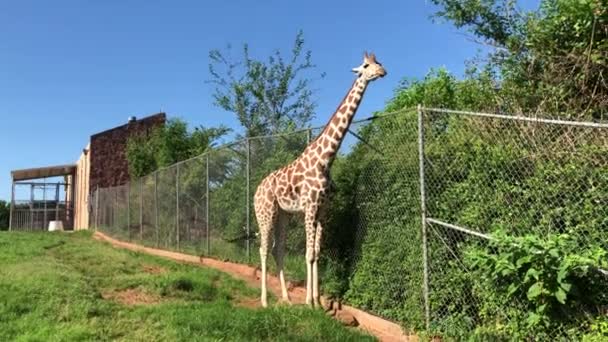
(327, 144)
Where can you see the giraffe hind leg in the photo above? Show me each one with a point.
(280, 236)
(266, 216)
(321, 216)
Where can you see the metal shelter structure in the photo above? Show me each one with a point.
(42, 195)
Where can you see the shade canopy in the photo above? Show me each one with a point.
(43, 172)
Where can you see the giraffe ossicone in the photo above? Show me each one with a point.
(302, 187)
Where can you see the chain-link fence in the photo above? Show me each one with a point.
(512, 205)
(420, 197)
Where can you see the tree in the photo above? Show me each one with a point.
(266, 96)
(554, 60)
(170, 144)
(4, 214)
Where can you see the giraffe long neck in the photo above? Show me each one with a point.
(327, 144)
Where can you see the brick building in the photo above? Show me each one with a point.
(102, 164)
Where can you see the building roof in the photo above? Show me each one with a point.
(155, 117)
(43, 172)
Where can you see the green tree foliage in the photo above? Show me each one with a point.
(170, 144)
(554, 60)
(266, 96)
(5, 209)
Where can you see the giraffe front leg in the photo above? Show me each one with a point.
(315, 266)
(310, 220)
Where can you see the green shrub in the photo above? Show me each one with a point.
(546, 284)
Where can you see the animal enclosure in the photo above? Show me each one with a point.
(423, 203)
(42, 195)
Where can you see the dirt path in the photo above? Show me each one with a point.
(384, 330)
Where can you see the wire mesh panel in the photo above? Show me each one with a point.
(37, 203)
(149, 233)
(134, 207)
(376, 234)
(228, 237)
(167, 208)
(538, 184)
(192, 205)
(112, 211)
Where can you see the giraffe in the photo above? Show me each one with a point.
(302, 187)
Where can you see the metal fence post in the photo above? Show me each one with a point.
(248, 203)
(425, 263)
(45, 215)
(12, 208)
(207, 208)
(97, 208)
(57, 201)
(129, 209)
(115, 204)
(141, 209)
(156, 209)
(308, 136)
(177, 206)
(31, 207)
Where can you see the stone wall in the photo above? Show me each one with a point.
(109, 166)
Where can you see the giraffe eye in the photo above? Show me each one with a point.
(365, 66)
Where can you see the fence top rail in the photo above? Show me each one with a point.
(520, 118)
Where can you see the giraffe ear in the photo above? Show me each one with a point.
(365, 56)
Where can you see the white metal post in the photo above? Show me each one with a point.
(425, 263)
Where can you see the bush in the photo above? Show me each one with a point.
(5, 209)
(545, 284)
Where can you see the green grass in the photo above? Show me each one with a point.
(53, 285)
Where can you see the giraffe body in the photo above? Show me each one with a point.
(302, 187)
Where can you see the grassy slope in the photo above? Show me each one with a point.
(51, 289)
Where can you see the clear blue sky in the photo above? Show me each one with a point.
(69, 69)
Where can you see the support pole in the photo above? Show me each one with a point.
(156, 208)
(112, 217)
(129, 210)
(425, 263)
(207, 208)
(45, 217)
(308, 136)
(97, 208)
(177, 207)
(141, 209)
(12, 208)
(32, 207)
(57, 201)
(248, 203)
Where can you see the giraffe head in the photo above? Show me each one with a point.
(371, 69)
